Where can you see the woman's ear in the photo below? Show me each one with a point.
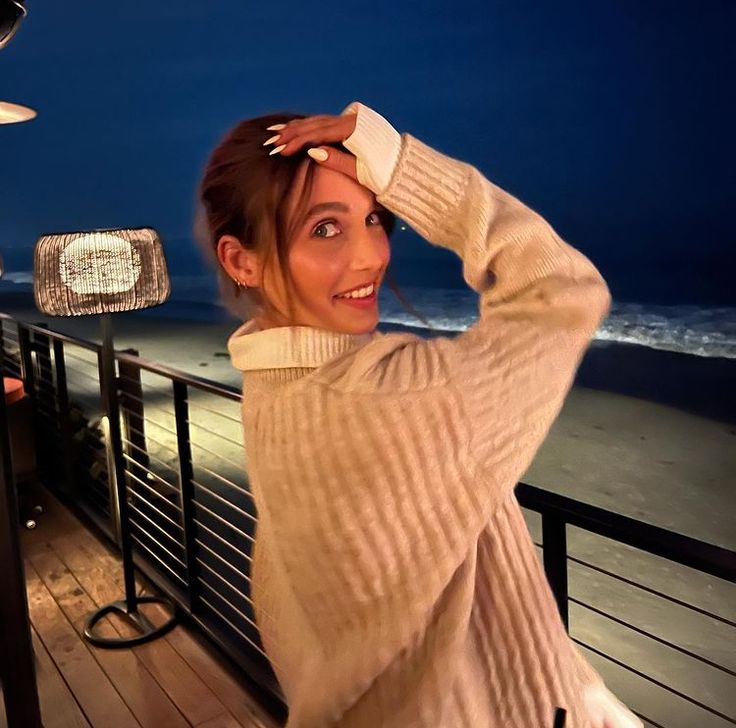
(238, 262)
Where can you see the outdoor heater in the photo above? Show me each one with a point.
(12, 14)
(101, 272)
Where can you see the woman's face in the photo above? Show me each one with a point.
(339, 245)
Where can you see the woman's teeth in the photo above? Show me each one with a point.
(360, 293)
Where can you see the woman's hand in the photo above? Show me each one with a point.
(313, 131)
(607, 711)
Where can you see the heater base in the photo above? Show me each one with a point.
(147, 631)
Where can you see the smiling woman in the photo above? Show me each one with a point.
(290, 237)
(393, 578)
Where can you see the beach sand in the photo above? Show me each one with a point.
(644, 433)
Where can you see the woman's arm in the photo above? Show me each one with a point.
(541, 300)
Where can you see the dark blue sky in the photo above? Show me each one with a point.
(614, 119)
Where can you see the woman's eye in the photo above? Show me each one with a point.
(375, 214)
(378, 217)
(323, 225)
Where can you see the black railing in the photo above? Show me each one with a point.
(558, 513)
(192, 521)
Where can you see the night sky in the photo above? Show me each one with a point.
(615, 120)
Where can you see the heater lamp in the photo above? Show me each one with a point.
(102, 271)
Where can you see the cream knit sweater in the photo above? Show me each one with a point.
(394, 579)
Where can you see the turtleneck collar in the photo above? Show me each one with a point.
(287, 347)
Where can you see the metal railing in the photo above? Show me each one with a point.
(661, 626)
(192, 521)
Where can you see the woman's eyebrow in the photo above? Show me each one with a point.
(322, 206)
(339, 206)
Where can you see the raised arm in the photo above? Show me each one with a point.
(541, 300)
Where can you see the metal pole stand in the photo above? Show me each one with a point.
(128, 607)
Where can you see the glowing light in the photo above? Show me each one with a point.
(99, 263)
(15, 113)
(99, 271)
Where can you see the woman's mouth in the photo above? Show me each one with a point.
(364, 300)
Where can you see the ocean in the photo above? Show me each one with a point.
(705, 331)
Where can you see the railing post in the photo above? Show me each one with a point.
(42, 347)
(65, 425)
(45, 392)
(554, 543)
(131, 399)
(186, 488)
(26, 362)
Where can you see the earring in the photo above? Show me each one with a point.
(239, 283)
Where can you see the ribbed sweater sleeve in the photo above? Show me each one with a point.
(540, 302)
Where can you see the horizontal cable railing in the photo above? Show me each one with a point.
(663, 552)
(60, 375)
(192, 520)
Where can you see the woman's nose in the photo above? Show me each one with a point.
(368, 252)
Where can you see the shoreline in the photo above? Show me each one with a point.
(695, 384)
(631, 436)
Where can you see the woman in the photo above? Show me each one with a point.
(394, 580)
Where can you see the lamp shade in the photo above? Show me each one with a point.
(15, 113)
(12, 13)
(100, 271)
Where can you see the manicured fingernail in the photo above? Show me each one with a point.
(276, 149)
(276, 127)
(273, 139)
(319, 154)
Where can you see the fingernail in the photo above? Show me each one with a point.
(276, 127)
(273, 139)
(319, 154)
(276, 149)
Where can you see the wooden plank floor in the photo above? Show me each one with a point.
(175, 681)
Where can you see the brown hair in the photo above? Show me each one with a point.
(245, 192)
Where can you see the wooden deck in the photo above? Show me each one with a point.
(176, 680)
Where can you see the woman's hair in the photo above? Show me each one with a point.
(246, 192)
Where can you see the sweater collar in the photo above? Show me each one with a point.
(287, 347)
